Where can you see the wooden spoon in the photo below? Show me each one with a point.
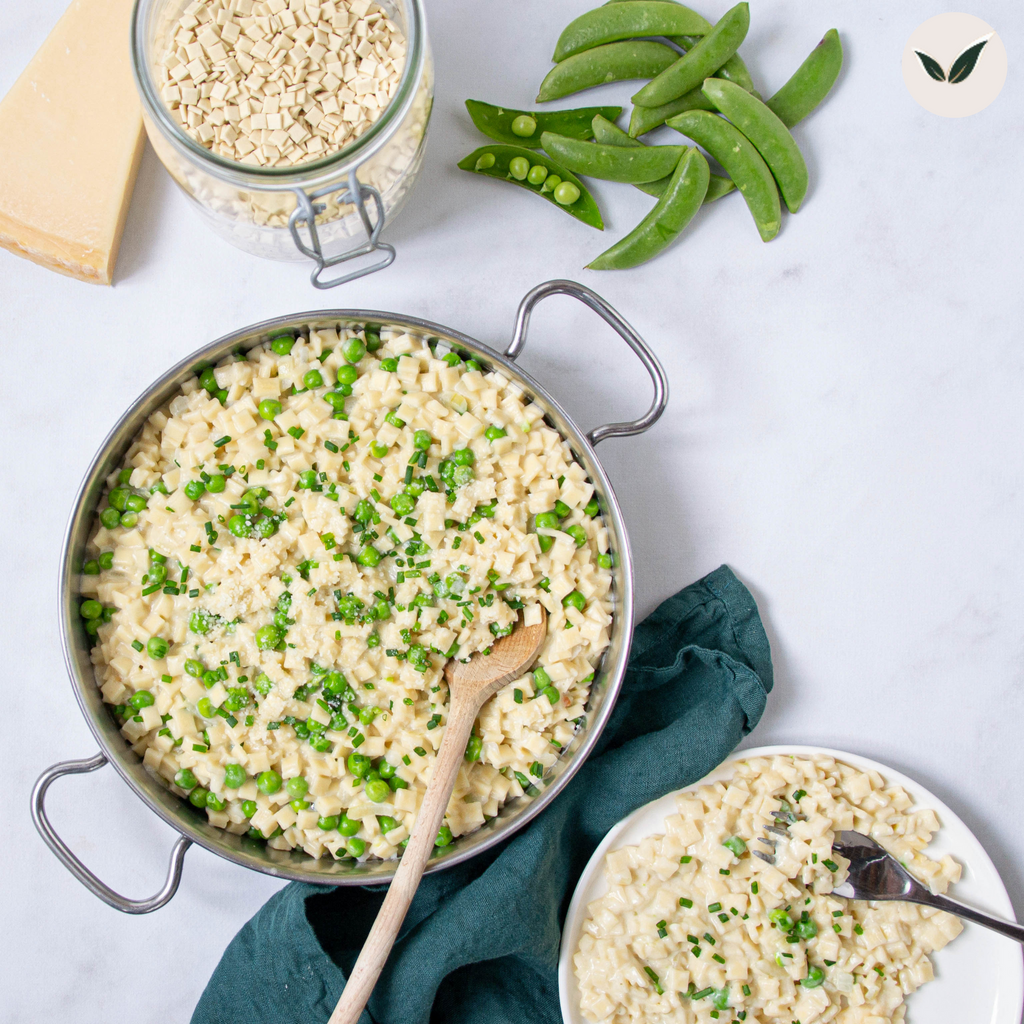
(469, 685)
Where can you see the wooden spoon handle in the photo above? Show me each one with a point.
(407, 878)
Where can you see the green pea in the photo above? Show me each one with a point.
(519, 167)
(269, 408)
(524, 126)
(348, 827)
(390, 364)
(312, 379)
(369, 556)
(378, 450)
(566, 193)
(91, 609)
(815, 977)
(592, 508)
(107, 560)
(422, 440)
(92, 626)
(444, 836)
(484, 161)
(265, 526)
(234, 776)
(353, 350)
(538, 174)
(368, 714)
(249, 503)
(129, 519)
(268, 637)
(193, 667)
(541, 678)
(142, 699)
(117, 498)
(216, 483)
(463, 457)
(386, 823)
(551, 182)
(157, 647)
(208, 380)
(205, 707)
(807, 930)
(562, 510)
(387, 769)
(136, 503)
(297, 787)
(604, 561)
(377, 790)
(268, 781)
(194, 489)
(110, 518)
(185, 779)
(493, 433)
(402, 504)
(736, 845)
(356, 847)
(282, 345)
(546, 521)
(249, 808)
(125, 476)
(91, 568)
(373, 341)
(346, 374)
(240, 526)
(159, 488)
(359, 765)
(328, 823)
(157, 573)
(552, 694)
(211, 679)
(474, 748)
(262, 684)
(780, 919)
(214, 802)
(197, 798)
(578, 534)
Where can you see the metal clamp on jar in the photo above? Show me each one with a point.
(331, 210)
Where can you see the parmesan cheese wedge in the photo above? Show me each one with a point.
(70, 143)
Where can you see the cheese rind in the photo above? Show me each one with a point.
(70, 143)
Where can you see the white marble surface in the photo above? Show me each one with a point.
(845, 431)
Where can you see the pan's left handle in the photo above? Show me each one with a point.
(612, 317)
(76, 867)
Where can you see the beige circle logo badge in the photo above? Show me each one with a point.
(954, 65)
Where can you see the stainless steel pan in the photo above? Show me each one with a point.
(179, 814)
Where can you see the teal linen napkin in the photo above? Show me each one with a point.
(480, 943)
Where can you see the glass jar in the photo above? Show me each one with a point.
(330, 210)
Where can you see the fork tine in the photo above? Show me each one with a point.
(777, 831)
(767, 858)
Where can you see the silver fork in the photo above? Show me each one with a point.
(784, 817)
(877, 875)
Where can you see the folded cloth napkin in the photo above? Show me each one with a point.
(480, 943)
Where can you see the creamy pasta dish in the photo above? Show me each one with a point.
(695, 927)
(294, 547)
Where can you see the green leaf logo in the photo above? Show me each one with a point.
(964, 64)
(932, 66)
(960, 69)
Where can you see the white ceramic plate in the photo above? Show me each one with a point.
(979, 977)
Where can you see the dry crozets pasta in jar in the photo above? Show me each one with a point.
(296, 544)
(697, 928)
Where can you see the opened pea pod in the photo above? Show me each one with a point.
(524, 127)
(613, 163)
(539, 174)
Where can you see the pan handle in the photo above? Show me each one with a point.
(76, 867)
(611, 316)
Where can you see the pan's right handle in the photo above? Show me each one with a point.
(625, 331)
(76, 867)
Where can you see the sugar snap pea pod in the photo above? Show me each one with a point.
(612, 163)
(641, 18)
(610, 134)
(524, 127)
(742, 162)
(660, 228)
(690, 70)
(769, 135)
(613, 62)
(646, 119)
(811, 81)
(733, 70)
(558, 186)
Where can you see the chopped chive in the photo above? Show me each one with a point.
(746, 990)
(657, 987)
(330, 446)
(684, 902)
(858, 929)
(685, 859)
(831, 865)
(137, 644)
(720, 959)
(837, 913)
(753, 888)
(709, 937)
(714, 908)
(724, 871)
